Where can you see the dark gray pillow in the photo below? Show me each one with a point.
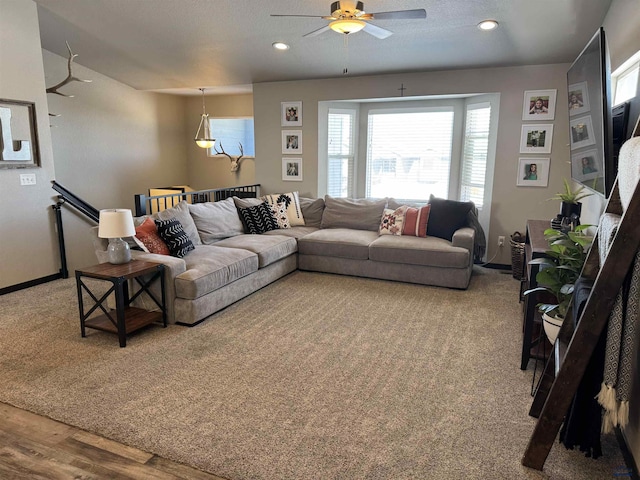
(356, 213)
(175, 237)
(447, 216)
(312, 209)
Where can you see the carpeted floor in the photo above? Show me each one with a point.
(315, 376)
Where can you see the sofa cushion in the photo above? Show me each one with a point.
(294, 232)
(338, 242)
(216, 220)
(181, 213)
(356, 213)
(392, 221)
(447, 216)
(429, 251)
(312, 209)
(210, 267)
(258, 219)
(292, 201)
(174, 236)
(269, 248)
(147, 233)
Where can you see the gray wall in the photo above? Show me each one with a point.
(511, 205)
(28, 243)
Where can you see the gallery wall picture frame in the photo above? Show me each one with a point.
(581, 132)
(539, 105)
(291, 114)
(292, 142)
(533, 172)
(584, 165)
(19, 130)
(536, 138)
(578, 99)
(292, 169)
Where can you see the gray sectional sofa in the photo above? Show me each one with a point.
(338, 236)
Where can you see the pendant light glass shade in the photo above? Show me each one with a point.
(204, 139)
(347, 25)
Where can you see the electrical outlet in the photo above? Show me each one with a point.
(27, 179)
(501, 241)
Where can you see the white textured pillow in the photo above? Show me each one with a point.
(216, 220)
(292, 201)
(628, 169)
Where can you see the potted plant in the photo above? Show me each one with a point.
(570, 206)
(559, 270)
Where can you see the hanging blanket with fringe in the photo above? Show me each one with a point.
(615, 390)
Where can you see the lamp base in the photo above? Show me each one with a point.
(118, 251)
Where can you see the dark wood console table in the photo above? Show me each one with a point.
(127, 319)
(535, 247)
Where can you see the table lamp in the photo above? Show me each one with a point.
(115, 224)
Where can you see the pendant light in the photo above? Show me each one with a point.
(204, 140)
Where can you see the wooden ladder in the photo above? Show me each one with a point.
(573, 348)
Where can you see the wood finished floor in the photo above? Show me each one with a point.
(35, 447)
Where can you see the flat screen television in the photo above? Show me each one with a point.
(590, 120)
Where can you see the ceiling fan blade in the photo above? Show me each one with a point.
(317, 32)
(401, 15)
(376, 31)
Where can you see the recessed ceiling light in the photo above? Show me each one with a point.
(280, 46)
(488, 25)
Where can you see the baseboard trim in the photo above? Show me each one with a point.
(630, 469)
(497, 266)
(30, 283)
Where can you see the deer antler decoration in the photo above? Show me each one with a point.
(235, 161)
(70, 78)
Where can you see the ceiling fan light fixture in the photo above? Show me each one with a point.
(280, 46)
(204, 139)
(347, 26)
(488, 25)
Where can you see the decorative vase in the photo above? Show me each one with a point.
(551, 326)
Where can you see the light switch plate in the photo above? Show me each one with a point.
(27, 179)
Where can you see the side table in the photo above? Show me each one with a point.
(127, 319)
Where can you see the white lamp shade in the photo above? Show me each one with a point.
(116, 223)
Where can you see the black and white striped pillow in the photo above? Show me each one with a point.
(258, 219)
(175, 237)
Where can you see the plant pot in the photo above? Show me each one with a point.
(567, 209)
(551, 326)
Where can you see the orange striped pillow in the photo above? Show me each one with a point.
(415, 221)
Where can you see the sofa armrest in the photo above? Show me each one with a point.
(465, 238)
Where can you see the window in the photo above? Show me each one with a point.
(230, 132)
(409, 153)
(341, 152)
(625, 80)
(475, 153)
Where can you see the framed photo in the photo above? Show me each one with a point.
(291, 114)
(581, 132)
(536, 138)
(585, 165)
(292, 169)
(533, 172)
(578, 100)
(292, 141)
(20, 148)
(539, 105)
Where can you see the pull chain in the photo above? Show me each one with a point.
(345, 70)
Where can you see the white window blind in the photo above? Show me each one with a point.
(626, 84)
(409, 154)
(341, 152)
(474, 156)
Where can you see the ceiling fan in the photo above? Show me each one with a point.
(347, 21)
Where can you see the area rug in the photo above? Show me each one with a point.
(315, 376)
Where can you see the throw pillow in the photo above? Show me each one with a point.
(258, 219)
(216, 220)
(415, 221)
(292, 201)
(356, 213)
(147, 233)
(392, 221)
(447, 216)
(175, 237)
(246, 202)
(181, 213)
(312, 209)
(279, 212)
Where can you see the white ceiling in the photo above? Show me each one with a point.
(225, 45)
